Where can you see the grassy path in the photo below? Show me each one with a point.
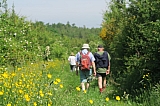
(51, 84)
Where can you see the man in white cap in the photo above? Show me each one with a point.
(84, 73)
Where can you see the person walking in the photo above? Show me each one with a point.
(84, 60)
(102, 63)
(72, 62)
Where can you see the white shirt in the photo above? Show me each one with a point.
(72, 60)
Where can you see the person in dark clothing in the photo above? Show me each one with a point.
(102, 63)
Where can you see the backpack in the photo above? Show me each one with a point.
(101, 61)
(85, 62)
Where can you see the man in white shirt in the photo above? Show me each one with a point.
(72, 62)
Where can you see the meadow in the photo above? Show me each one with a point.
(132, 40)
(52, 84)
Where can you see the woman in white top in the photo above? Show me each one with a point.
(72, 62)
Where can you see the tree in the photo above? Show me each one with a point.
(134, 45)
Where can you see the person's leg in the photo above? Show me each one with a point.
(71, 68)
(74, 68)
(83, 86)
(82, 79)
(99, 82)
(88, 77)
(104, 82)
(87, 85)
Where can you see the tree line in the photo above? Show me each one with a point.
(23, 40)
(131, 32)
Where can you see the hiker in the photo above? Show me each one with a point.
(72, 62)
(84, 60)
(46, 53)
(102, 63)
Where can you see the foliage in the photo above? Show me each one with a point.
(13, 43)
(73, 37)
(130, 33)
(151, 96)
(135, 49)
(24, 41)
(72, 30)
(113, 22)
(52, 84)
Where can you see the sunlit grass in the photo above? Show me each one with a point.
(50, 84)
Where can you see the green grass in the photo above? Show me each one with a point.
(69, 96)
(32, 85)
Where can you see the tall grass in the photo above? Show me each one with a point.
(151, 97)
(52, 84)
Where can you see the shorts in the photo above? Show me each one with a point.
(84, 76)
(101, 75)
(72, 67)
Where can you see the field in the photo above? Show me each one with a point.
(52, 84)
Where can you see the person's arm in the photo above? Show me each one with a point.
(94, 68)
(108, 70)
(77, 63)
(93, 64)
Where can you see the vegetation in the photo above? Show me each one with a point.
(134, 43)
(52, 85)
(34, 70)
(24, 41)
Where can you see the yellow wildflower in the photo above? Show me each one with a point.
(118, 98)
(20, 91)
(55, 82)
(9, 104)
(42, 95)
(49, 104)
(20, 82)
(49, 93)
(1, 92)
(107, 99)
(58, 80)
(49, 76)
(35, 104)
(28, 99)
(61, 86)
(26, 96)
(19, 69)
(85, 91)
(5, 75)
(16, 84)
(22, 75)
(40, 91)
(91, 101)
(13, 74)
(78, 89)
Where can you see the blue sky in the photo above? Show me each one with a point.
(79, 12)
